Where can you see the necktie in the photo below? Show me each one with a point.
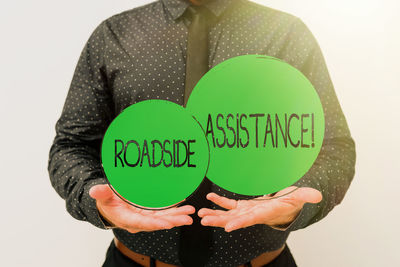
(196, 240)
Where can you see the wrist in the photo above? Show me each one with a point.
(287, 222)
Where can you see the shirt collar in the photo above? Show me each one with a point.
(177, 7)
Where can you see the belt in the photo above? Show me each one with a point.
(144, 260)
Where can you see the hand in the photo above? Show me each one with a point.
(271, 211)
(134, 220)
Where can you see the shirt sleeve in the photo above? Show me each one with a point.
(74, 160)
(334, 168)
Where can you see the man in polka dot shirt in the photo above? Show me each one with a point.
(140, 54)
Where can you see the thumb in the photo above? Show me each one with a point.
(307, 194)
(101, 192)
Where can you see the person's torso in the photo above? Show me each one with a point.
(144, 58)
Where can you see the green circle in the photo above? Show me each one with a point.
(245, 86)
(128, 149)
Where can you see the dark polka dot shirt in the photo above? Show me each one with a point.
(140, 54)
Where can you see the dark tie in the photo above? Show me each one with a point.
(196, 240)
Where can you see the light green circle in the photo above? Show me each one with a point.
(255, 84)
(149, 185)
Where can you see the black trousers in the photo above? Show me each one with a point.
(114, 258)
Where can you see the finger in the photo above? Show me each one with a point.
(170, 211)
(205, 211)
(173, 221)
(157, 224)
(178, 220)
(143, 222)
(218, 221)
(240, 222)
(150, 223)
(307, 194)
(137, 230)
(187, 209)
(101, 192)
(223, 202)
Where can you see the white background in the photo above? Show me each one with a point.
(40, 44)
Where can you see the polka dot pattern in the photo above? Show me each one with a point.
(140, 54)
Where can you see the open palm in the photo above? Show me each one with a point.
(123, 215)
(262, 210)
